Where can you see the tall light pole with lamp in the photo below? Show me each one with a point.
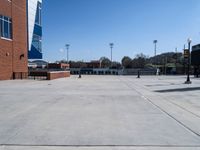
(155, 48)
(155, 53)
(176, 61)
(111, 48)
(67, 47)
(188, 64)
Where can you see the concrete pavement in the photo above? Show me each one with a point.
(100, 112)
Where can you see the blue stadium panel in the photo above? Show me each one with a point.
(34, 29)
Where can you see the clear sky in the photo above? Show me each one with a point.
(132, 25)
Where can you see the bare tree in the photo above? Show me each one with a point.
(139, 61)
(105, 62)
(126, 62)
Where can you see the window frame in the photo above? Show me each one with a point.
(6, 33)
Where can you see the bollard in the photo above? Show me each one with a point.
(138, 74)
(79, 75)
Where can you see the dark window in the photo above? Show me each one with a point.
(6, 18)
(5, 27)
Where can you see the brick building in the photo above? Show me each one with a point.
(18, 36)
(13, 40)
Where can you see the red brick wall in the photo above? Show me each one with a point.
(57, 74)
(10, 51)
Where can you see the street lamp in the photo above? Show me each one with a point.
(111, 47)
(67, 47)
(188, 65)
(176, 51)
(155, 52)
(155, 49)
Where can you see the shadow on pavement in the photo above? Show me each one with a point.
(178, 90)
(161, 84)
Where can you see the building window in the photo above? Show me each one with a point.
(37, 42)
(5, 27)
(38, 14)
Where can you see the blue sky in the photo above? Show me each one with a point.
(132, 25)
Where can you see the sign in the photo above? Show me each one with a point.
(186, 53)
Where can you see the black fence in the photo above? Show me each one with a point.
(94, 71)
(38, 74)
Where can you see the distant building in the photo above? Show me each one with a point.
(37, 64)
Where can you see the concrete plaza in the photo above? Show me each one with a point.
(100, 113)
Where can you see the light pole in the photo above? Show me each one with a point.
(155, 48)
(184, 60)
(188, 65)
(176, 51)
(111, 48)
(155, 52)
(67, 47)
